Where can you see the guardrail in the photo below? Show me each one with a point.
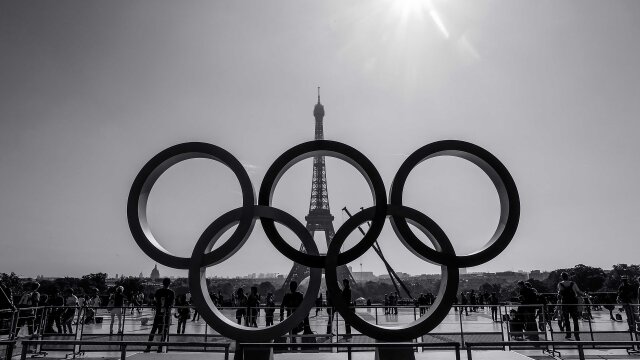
(122, 344)
(349, 345)
(579, 345)
(458, 326)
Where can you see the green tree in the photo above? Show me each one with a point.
(588, 278)
(12, 281)
(613, 279)
(266, 287)
(94, 281)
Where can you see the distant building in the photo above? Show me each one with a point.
(538, 275)
(155, 273)
(140, 276)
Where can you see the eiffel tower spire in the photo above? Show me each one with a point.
(319, 218)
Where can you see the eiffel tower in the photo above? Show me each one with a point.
(319, 218)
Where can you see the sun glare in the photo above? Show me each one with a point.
(408, 9)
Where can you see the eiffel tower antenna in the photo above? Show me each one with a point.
(319, 218)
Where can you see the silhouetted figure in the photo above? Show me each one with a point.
(493, 301)
(29, 299)
(346, 297)
(269, 310)
(241, 304)
(569, 292)
(528, 297)
(70, 302)
(290, 303)
(330, 313)
(473, 301)
(56, 303)
(183, 313)
(163, 300)
(422, 303)
(319, 304)
(253, 306)
(386, 304)
(463, 302)
(627, 295)
(116, 308)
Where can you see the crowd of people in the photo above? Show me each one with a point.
(526, 320)
(568, 307)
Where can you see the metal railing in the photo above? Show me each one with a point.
(578, 345)
(121, 344)
(457, 327)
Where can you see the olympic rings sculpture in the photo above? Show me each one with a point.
(401, 216)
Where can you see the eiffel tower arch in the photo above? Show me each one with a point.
(319, 218)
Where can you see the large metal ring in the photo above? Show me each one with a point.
(198, 283)
(146, 178)
(499, 175)
(448, 285)
(324, 148)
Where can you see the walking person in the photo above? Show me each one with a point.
(116, 309)
(568, 292)
(71, 303)
(627, 296)
(183, 313)
(163, 299)
(28, 301)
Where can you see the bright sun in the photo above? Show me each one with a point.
(408, 9)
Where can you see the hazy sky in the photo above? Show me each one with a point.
(91, 90)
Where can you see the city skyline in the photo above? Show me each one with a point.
(91, 92)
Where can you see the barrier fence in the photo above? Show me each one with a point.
(98, 327)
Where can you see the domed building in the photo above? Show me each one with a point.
(155, 274)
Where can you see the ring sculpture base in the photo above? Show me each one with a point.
(253, 353)
(403, 353)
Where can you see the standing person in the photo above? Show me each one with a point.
(220, 300)
(463, 302)
(494, 303)
(57, 302)
(528, 298)
(473, 301)
(270, 309)
(331, 311)
(396, 299)
(163, 299)
(346, 297)
(92, 304)
(29, 299)
(386, 304)
(70, 302)
(319, 304)
(626, 297)
(253, 306)
(569, 292)
(116, 309)
(290, 303)
(7, 308)
(183, 312)
(241, 304)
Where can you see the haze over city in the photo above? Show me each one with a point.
(90, 91)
